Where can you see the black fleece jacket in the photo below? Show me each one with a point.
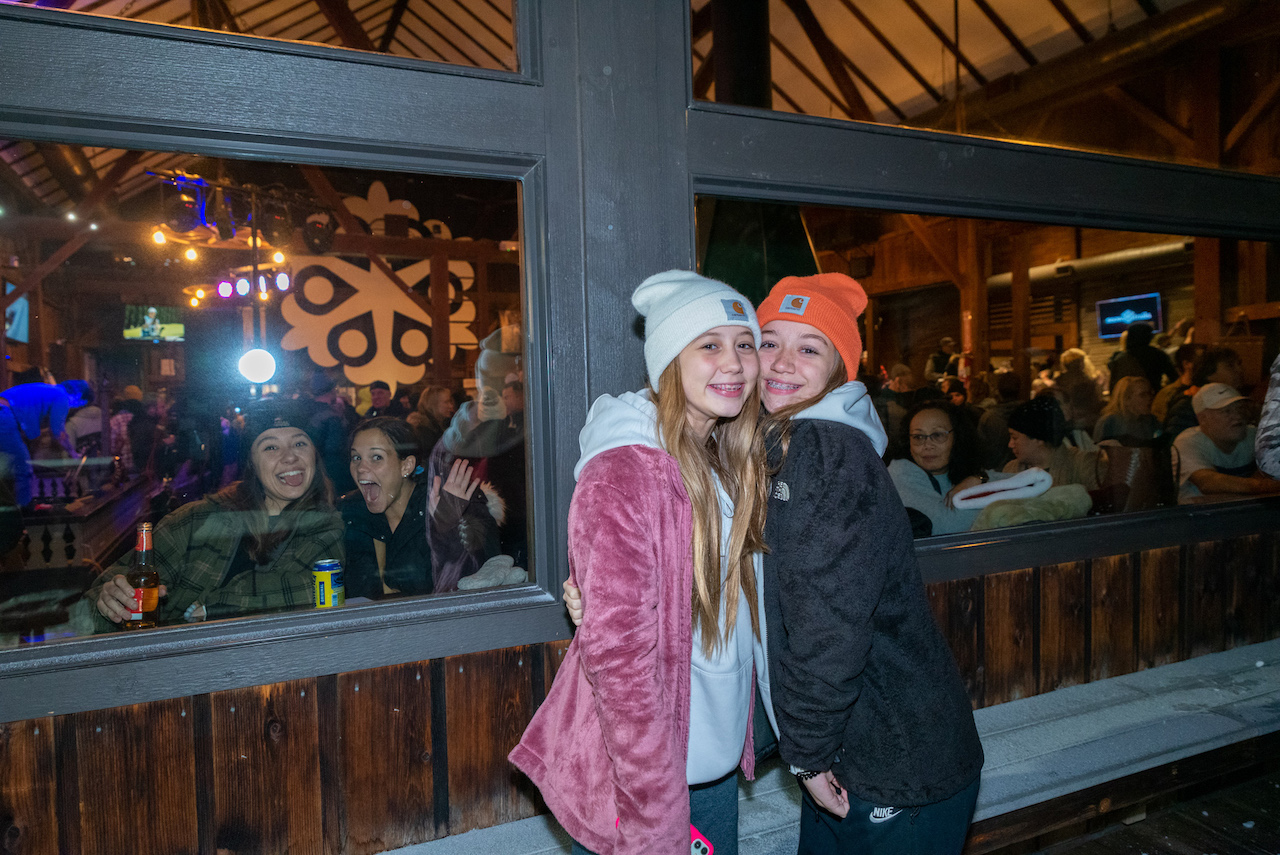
(863, 683)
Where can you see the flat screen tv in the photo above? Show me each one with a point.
(1115, 316)
(16, 317)
(153, 323)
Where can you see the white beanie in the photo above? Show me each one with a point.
(678, 306)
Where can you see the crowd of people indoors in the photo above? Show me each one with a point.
(1155, 426)
(420, 491)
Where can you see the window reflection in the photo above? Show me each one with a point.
(1034, 373)
(475, 33)
(1169, 80)
(246, 355)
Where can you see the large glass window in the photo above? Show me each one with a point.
(473, 33)
(970, 320)
(179, 324)
(1163, 79)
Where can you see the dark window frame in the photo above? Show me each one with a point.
(602, 103)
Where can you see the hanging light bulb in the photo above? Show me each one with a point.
(278, 258)
(191, 254)
(158, 237)
(199, 293)
(262, 295)
(195, 301)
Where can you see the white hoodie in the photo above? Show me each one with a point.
(850, 405)
(720, 685)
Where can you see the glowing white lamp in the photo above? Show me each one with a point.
(257, 365)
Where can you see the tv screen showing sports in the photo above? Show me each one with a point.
(153, 323)
(16, 317)
(1115, 316)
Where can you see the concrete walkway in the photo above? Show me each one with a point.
(1036, 748)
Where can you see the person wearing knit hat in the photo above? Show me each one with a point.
(852, 646)
(247, 548)
(832, 302)
(638, 740)
(680, 305)
(1036, 431)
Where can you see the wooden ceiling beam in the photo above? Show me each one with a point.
(1072, 21)
(74, 174)
(344, 23)
(700, 22)
(978, 77)
(1266, 99)
(704, 76)
(937, 250)
(893, 50)
(811, 77)
(833, 59)
(1109, 61)
(23, 197)
(393, 24)
(82, 211)
(1179, 138)
(1009, 35)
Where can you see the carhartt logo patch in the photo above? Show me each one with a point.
(734, 310)
(794, 304)
(781, 491)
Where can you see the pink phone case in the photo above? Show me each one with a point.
(698, 845)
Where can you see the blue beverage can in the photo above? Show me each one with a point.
(329, 590)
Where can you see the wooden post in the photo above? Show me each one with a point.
(1207, 288)
(1020, 270)
(440, 363)
(973, 297)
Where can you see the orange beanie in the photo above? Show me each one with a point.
(831, 302)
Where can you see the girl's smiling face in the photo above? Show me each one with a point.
(796, 362)
(285, 461)
(717, 369)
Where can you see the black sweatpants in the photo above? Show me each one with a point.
(936, 829)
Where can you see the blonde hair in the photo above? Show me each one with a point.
(1074, 360)
(427, 399)
(1119, 403)
(733, 451)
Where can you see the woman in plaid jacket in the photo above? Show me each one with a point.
(248, 548)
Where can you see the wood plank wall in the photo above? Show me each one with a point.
(366, 761)
(1034, 630)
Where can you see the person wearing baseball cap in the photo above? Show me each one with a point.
(852, 646)
(644, 730)
(1217, 457)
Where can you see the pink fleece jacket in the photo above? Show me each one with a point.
(610, 742)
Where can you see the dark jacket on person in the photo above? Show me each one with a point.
(1143, 361)
(197, 549)
(408, 556)
(863, 682)
(329, 433)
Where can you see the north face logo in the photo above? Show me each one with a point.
(781, 491)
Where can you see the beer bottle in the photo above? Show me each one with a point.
(145, 580)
